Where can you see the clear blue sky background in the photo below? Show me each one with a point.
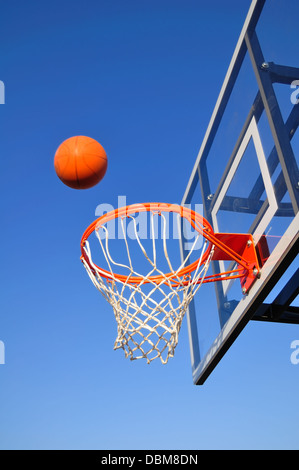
(141, 77)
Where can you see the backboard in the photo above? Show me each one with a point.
(246, 179)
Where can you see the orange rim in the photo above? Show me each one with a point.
(197, 222)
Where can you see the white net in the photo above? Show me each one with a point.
(149, 308)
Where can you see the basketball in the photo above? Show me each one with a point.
(80, 162)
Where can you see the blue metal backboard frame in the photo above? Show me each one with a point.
(280, 159)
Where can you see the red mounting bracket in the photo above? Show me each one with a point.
(240, 248)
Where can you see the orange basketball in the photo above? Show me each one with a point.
(80, 162)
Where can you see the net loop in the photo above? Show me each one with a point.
(149, 308)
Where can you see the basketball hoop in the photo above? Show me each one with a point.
(149, 308)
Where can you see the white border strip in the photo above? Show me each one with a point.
(252, 132)
(220, 97)
(269, 267)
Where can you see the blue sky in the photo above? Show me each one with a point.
(142, 78)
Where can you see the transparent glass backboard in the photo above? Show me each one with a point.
(246, 178)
